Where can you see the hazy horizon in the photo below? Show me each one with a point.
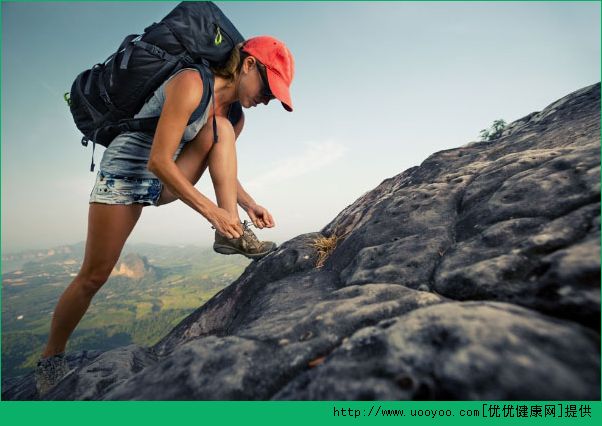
(128, 243)
(419, 78)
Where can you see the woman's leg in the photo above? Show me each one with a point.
(224, 169)
(221, 159)
(108, 228)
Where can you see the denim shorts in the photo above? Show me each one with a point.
(114, 189)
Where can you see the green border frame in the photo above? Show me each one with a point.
(91, 413)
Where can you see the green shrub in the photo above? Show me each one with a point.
(494, 132)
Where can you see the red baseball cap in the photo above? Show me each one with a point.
(279, 64)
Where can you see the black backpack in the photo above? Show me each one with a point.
(104, 99)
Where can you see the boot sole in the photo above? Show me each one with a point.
(221, 249)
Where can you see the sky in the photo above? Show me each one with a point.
(378, 87)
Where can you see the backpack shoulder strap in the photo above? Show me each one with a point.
(208, 90)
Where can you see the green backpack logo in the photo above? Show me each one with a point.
(218, 38)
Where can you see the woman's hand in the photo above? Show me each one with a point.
(260, 216)
(225, 223)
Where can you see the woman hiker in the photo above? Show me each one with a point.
(139, 170)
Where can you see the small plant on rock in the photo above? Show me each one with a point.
(324, 246)
(494, 132)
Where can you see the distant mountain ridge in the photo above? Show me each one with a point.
(14, 260)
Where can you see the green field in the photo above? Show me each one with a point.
(124, 311)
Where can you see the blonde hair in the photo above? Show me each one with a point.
(231, 68)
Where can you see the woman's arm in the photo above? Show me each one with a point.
(182, 96)
(243, 198)
(259, 215)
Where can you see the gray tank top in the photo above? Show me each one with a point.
(128, 153)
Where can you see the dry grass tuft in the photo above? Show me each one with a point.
(324, 246)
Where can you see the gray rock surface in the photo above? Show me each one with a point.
(291, 325)
(24, 387)
(92, 380)
(475, 275)
(468, 350)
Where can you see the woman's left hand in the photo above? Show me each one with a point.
(260, 217)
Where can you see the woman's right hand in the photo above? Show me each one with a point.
(225, 223)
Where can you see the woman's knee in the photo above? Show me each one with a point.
(225, 131)
(91, 280)
(108, 228)
(225, 128)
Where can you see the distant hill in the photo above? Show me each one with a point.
(133, 266)
(15, 261)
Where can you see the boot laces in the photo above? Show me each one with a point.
(250, 235)
(246, 224)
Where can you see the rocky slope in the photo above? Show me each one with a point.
(473, 276)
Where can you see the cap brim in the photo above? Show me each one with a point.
(279, 89)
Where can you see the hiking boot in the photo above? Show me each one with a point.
(49, 371)
(248, 245)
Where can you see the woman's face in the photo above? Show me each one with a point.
(252, 89)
